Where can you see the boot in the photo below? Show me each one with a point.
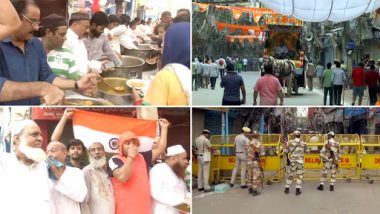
(286, 191)
(331, 188)
(231, 185)
(244, 187)
(298, 191)
(255, 192)
(320, 187)
(250, 190)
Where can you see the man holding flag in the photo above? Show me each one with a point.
(130, 172)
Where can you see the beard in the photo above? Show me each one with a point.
(179, 170)
(95, 33)
(35, 154)
(98, 163)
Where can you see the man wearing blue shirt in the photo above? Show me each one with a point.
(25, 76)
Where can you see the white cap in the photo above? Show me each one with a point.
(331, 133)
(297, 132)
(18, 126)
(175, 150)
(246, 129)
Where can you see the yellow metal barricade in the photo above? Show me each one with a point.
(223, 159)
(370, 152)
(349, 166)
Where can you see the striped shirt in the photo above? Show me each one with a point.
(62, 63)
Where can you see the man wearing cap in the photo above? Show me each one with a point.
(25, 75)
(254, 149)
(295, 150)
(27, 161)
(203, 146)
(240, 144)
(61, 60)
(67, 186)
(100, 197)
(130, 172)
(79, 27)
(330, 156)
(167, 183)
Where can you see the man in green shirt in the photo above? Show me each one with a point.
(60, 60)
(327, 84)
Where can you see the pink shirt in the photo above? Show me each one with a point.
(268, 87)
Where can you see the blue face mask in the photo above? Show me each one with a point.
(50, 162)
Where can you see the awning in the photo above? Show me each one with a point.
(322, 10)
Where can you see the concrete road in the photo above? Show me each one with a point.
(348, 198)
(305, 98)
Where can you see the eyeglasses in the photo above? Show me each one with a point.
(33, 23)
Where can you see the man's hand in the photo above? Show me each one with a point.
(68, 113)
(132, 151)
(163, 123)
(242, 101)
(58, 171)
(52, 95)
(104, 67)
(88, 84)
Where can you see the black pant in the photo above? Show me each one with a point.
(231, 103)
(221, 72)
(372, 91)
(337, 94)
(329, 91)
(213, 81)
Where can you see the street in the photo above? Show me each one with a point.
(305, 97)
(357, 197)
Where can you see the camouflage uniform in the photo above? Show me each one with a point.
(330, 156)
(296, 159)
(253, 162)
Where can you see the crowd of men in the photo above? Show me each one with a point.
(248, 153)
(56, 181)
(39, 59)
(336, 77)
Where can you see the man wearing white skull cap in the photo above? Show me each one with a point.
(23, 174)
(167, 185)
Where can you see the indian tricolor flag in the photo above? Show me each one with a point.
(91, 127)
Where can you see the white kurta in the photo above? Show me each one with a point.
(68, 191)
(127, 39)
(79, 50)
(100, 198)
(23, 189)
(166, 188)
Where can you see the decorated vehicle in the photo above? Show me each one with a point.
(283, 50)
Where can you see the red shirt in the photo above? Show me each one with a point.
(268, 87)
(372, 78)
(358, 76)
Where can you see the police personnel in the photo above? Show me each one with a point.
(254, 148)
(203, 145)
(240, 146)
(295, 152)
(330, 156)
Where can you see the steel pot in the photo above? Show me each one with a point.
(131, 67)
(77, 100)
(144, 52)
(106, 92)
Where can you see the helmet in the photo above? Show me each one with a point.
(332, 134)
(296, 132)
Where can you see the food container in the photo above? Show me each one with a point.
(78, 100)
(105, 91)
(131, 67)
